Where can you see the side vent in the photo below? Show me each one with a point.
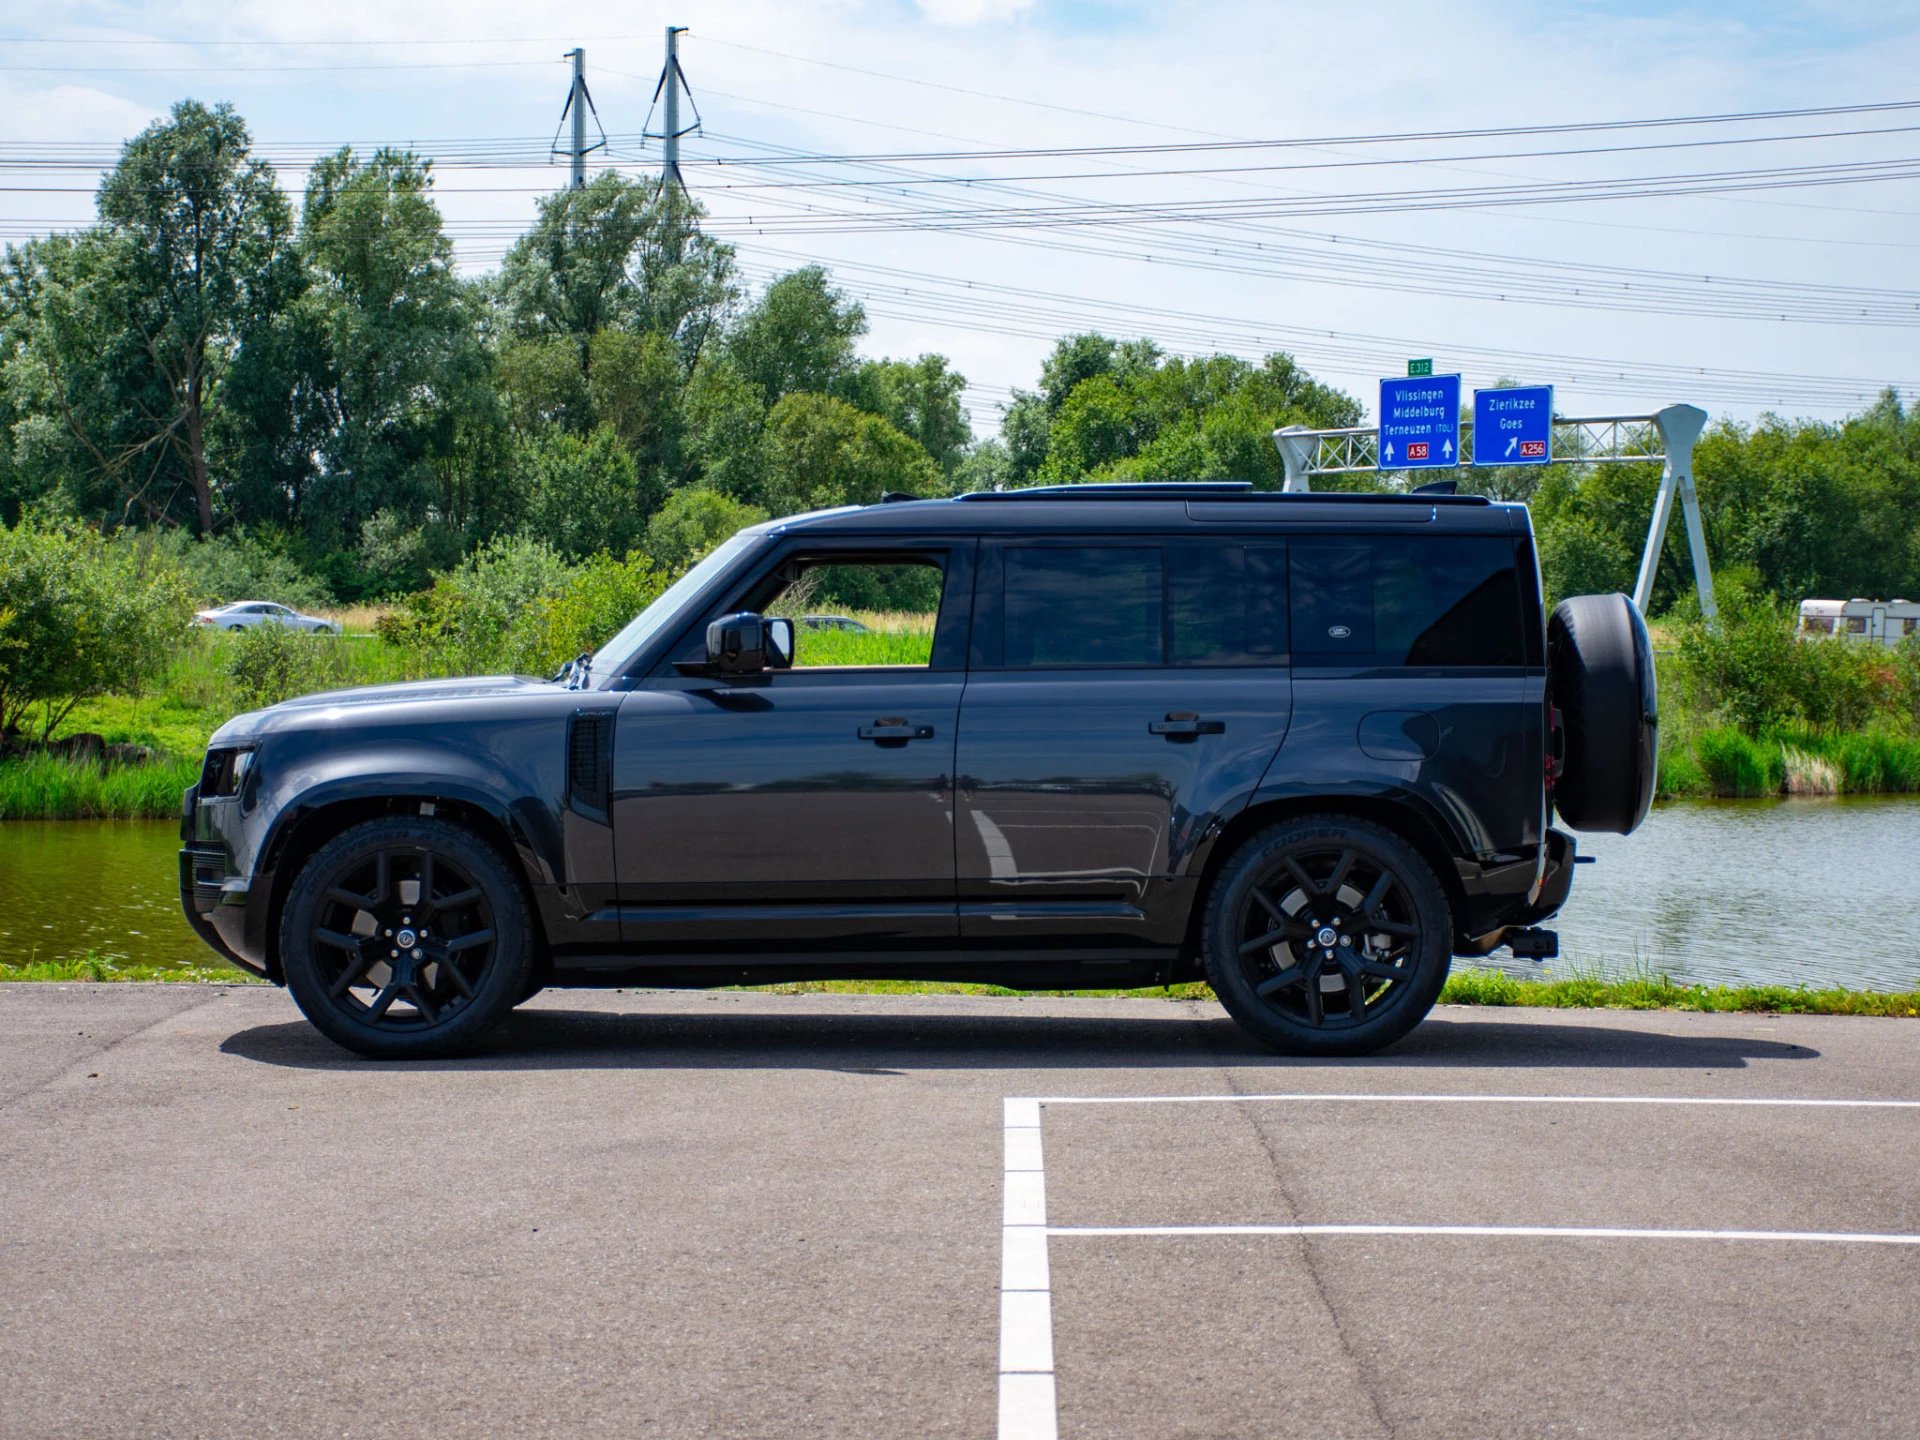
(590, 762)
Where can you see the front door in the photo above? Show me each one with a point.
(808, 806)
(1125, 697)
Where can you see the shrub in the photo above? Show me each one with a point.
(474, 619)
(242, 566)
(270, 663)
(599, 599)
(81, 618)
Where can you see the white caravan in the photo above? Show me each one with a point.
(1878, 622)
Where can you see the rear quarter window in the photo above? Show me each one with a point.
(1444, 601)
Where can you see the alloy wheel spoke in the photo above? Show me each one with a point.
(1289, 929)
(428, 1010)
(450, 902)
(447, 969)
(1307, 883)
(1381, 889)
(1393, 927)
(382, 1002)
(1290, 976)
(468, 942)
(1316, 1004)
(350, 943)
(346, 897)
(1380, 970)
(1356, 992)
(1339, 876)
(349, 977)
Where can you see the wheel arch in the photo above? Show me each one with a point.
(305, 827)
(1400, 813)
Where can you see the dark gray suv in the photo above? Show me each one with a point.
(1303, 746)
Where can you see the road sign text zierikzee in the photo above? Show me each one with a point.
(1513, 426)
(1420, 422)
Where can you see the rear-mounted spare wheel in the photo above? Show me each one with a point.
(1602, 682)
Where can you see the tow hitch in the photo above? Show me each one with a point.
(1533, 943)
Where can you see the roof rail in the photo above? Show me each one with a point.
(1222, 490)
(1121, 490)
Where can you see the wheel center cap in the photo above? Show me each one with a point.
(1325, 936)
(405, 939)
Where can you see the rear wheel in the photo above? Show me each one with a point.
(406, 938)
(1327, 936)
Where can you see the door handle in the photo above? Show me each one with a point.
(895, 732)
(1184, 725)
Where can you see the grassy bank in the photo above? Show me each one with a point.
(1472, 986)
(1726, 762)
(94, 969)
(46, 787)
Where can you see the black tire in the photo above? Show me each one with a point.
(236, 627)
(434, 884)
(1603, 685)
(1310, 886)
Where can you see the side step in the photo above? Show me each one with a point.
(1532, 944)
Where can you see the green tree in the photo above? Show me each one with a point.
(617, 254)
(920, 398)
(583, 495)
(823, 452)
(799, 335)
(692, 522)
(201, 253)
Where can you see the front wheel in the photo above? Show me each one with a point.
(1327, 936)
(406, 938)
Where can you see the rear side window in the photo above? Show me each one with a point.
(1182, 603)
(1097, 606)
(1406, 600)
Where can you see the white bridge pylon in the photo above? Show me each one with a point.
(1667, 436)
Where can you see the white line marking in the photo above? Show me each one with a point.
(1027, 1408)
(1477, 1100)
(1026, 1198)
(1546, 1232)
(1026, 1332)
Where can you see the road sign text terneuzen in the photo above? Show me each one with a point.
(1513, 426)
(1420, 422)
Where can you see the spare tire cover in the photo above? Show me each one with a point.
(1602, 682)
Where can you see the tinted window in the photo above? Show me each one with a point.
(1083, 607)
(1406, 601)
(1228, 604)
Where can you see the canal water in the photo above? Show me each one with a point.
(1815, 892)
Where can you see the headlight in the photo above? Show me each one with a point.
(224, 773)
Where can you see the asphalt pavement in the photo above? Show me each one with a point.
(738, 1214)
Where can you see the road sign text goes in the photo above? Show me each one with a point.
(1513, 426)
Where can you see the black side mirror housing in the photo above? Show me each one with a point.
(747, 644)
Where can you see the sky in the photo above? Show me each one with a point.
(1351, 295)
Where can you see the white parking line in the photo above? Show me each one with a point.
(1028, 1410)
(1029, 1405)
(1543, 1232)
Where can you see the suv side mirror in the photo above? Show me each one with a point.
(746, 644)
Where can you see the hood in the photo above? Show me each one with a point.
(305, 710)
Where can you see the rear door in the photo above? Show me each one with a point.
(1123, 696)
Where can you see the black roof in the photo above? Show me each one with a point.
(1162, 507)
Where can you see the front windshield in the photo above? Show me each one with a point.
(613, 657)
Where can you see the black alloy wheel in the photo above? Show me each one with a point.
(406, 938)
(1327, 936)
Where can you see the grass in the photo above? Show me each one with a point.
(49, 787)
(1726, 762)
(1475, 986)
(95, 969)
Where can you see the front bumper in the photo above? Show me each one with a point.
(220, 906)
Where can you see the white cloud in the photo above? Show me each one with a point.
(972, 12)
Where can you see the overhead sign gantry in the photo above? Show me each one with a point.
(1666, 436)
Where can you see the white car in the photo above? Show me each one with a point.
(242, 614)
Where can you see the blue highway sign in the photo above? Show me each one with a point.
(1513, 426)
(1419, 422)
